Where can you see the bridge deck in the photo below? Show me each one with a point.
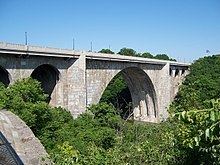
(19, 49)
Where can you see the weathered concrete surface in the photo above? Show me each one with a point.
(22, 139)
(83, 77)
(151, 86)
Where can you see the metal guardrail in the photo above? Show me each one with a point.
(8, 156)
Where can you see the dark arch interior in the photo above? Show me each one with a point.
(118, 94)
(170, 72)
(48, 76)
(128, 89)
(4, 76)
(177, 72)
(183, 71)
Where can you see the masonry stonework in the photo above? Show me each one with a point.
(22, 139)
(83, 77)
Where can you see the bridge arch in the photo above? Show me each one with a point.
(48, 76)
(4, 76)
(143, 95)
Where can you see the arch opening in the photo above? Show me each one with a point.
(4, 76)
(171, 71)
(177, 72)
(183, 71)
(48, 76)
(141, 95)
(118, 94)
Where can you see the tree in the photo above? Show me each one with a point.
(107, 51)
(199, 129)
(98, 136)
(147, 55)
(196, 111)
(162, 57)
(117, 93)
(203, 83)
(127, 52)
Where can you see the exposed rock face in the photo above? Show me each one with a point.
(22, 139)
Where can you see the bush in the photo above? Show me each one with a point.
(196, 112)
(98, 136)
(203, 83)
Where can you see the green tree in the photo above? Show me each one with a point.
(106, 115)
(98, 136)
(117, 93)
(147, 55)
(203, 83)
(127, 52)
(199, 129)
(162, 57)
(3, 96)
(107, 51)
(196, 108)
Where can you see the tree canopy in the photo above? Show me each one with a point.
(107, 51)
(127, 52)
(196, 111)
(131, 52)
(147, 55)
(98, 136)
(203, 83)
(163, 57)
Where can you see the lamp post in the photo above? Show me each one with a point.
(26, 40)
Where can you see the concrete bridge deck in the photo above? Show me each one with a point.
(20, 49)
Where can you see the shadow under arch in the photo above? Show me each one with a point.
(4, 76)
(48, 76)
(143, 95)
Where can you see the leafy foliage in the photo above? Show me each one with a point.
(3, 97)
(127, 52)
(147, 55)
(203, 83)
(117, 93)
(196, 111)
(107, 51)
(200, 131)
(98, 136)
(131, 52)
(163, 57)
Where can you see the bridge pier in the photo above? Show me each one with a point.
(77, 94)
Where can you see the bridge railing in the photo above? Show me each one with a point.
(59, 52)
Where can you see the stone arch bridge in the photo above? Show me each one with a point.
(76, 79)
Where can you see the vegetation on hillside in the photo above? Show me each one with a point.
(101, 136)
(197, 108)
(201, 85)
(98, 136)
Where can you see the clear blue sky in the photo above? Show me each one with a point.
(183, 29)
